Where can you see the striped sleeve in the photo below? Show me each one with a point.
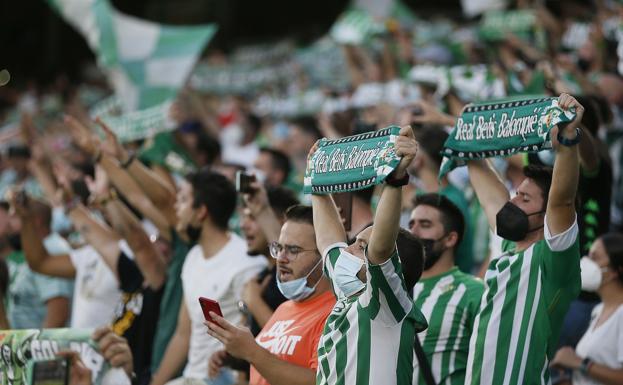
(386, 293)
(330, 256)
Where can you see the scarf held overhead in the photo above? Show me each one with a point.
(503, 128)
(352, 163)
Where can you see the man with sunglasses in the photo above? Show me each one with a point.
(285, 351)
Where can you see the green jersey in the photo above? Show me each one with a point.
(368, 338)
(450, 302)
(526, 298)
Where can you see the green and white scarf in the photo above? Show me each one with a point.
(352, 163)
(503, 128)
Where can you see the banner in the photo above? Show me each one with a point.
(502, 129)
(352, 163)
(496, 25)
(19, 349)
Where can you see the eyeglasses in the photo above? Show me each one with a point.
(276, 249)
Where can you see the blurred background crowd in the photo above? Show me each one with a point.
(97, 216)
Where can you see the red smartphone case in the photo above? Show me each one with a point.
(208, 305)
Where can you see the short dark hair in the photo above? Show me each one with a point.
(300, 214)
(542, 176)
(365, 194)
(216, 192)
(208, 145)
(431, 140)
(278, 160)
(451, 216)
(613, 243)
(411, 256)
(308, 124)
(281, 199)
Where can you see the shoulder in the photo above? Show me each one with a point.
(192, 256)
(471, 282)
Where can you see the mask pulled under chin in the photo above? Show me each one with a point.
(297, 289)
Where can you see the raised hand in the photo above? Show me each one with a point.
(82, 136)
(111, 144)
(407, 148)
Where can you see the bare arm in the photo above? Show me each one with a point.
(134, 194)
(387, 218)
(589, 154)
(279, 372)
(148, 258)
(327, 218)
(159, 192)
(57, 313)
(177, 350)
(239, 342)
(37, 256)
(490, 190)
(561, 203)
(605, 374)
(99, 235)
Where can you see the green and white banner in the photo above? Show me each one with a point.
(19, 349)
(352, 163)
(503, 128)
(495, 25)
(145, 62)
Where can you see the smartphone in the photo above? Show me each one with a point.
(52, 372)
(344, 201)
(243, 182)
(208, 305)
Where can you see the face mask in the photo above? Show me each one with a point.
(60, 222)
(512, 223)
(193, 233)
(15, 240)
(591, 274)
(431, 255)
(345, 273)
(297, 289)
(584, 65)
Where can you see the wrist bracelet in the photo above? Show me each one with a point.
(585, 366)
(128, 161)
(570, 142)
(397, 182)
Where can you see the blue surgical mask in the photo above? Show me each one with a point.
(345, 273)
(297, 289)
(60, 221)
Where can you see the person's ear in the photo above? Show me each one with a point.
(452, 239)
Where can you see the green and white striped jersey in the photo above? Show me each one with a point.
(526, 297)
(450, 302)
(368, 338)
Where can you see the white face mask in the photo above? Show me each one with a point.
(345, 273)
(591, 273)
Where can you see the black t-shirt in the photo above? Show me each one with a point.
(137, 315)
(595, 194)
(271, 295)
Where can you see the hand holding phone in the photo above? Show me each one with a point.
(243, 182)
(207, 306)
(51, 372)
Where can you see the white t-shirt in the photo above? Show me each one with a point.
(603, 345)
(96, 292)
(220, 278)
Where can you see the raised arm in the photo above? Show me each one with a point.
(387, 218)
(326, 217)
(148, 258)
(560, 210)
(152, 185)
(259, 206)
(489, 188)
(177, 350)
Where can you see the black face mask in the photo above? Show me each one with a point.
(15, 241)
(584, 65)
(512, 223)
(431, 256)
(193, 233)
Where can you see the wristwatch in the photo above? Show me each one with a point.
(585, 366)
(570, 142)
(397, 182)
(242, 308)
